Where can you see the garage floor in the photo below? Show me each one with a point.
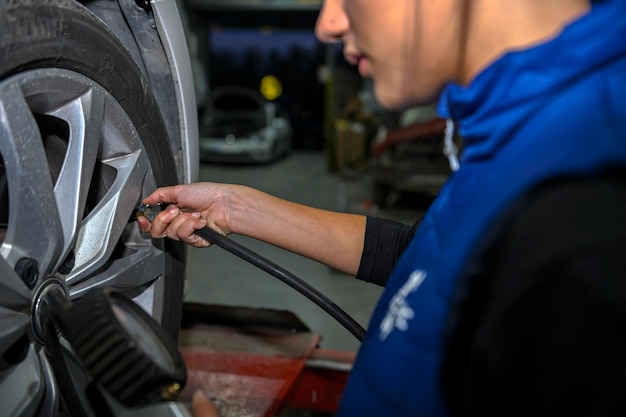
(218, 277)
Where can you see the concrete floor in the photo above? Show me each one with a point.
(218, 277)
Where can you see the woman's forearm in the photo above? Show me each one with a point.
(333, 238)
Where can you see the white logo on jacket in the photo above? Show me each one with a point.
(399, 312)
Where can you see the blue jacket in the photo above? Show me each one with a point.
(553, 110)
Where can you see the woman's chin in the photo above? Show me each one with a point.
(391, 98)
(396, 98)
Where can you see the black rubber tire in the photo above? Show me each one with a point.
(64, 34)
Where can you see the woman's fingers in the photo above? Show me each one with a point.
(186, 230)
(181, 219)
(201, 406)
(177, 225)
(144, 224)
(162, 222)
(162, 195)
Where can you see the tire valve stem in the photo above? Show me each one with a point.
(149, 211)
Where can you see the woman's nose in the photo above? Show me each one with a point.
(332, 22)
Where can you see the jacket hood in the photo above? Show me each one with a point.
(513, 87)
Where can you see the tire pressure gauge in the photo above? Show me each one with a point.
(123, 348)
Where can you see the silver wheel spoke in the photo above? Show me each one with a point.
(13, 326)
(134, 271)
(49, 406)
(100, 232)
(22, 387)
(13, 292)
(85, 116)
(34, 225)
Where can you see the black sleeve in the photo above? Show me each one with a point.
(385, 240)
(543, 329)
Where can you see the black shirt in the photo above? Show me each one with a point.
(385, 240)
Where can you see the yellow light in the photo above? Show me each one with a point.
(271, 88)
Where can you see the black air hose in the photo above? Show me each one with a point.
(285, 276)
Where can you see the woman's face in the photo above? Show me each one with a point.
(408, 47)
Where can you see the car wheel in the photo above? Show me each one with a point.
(81, 142)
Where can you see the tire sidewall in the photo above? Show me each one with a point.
(64, 34)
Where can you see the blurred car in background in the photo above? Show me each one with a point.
(240, 125)
(409, 157)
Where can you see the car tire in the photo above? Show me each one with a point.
(60, 63)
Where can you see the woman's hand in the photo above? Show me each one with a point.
(201, 406)
(192, 207)
(332, 238)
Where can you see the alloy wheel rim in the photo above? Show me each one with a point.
(73, 170)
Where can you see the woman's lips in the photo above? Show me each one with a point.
(352, 59)
(364, 67)
(360, 61)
